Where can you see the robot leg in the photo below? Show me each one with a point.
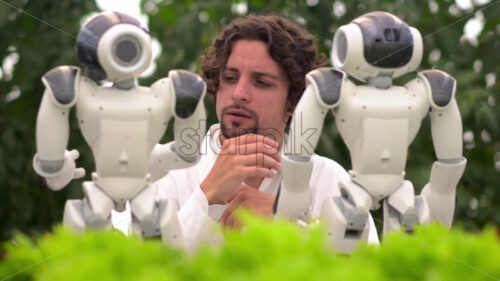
(403, 208)
(151, 218)
(346, 217)
(93, 211)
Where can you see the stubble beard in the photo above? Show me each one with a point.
(235, 129)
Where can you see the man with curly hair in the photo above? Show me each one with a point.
(255, 71)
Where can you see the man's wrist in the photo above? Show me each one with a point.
(208, 193)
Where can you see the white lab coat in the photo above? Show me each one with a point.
(199, 220)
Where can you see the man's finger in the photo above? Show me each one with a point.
(256, 172)
(236, 224)
(236, 192)
(232, 222)
(254, 148)
(227, 212)
(236, 201)
(258, 160)
(227, 220)
(224, 218)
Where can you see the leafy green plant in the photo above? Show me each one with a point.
(262, 251)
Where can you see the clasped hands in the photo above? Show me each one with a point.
(242, 164)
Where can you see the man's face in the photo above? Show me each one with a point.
(252, 95)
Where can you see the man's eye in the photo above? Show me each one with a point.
(229, 79)
(263, 84)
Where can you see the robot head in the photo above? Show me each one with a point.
(114, 47)
(377, 44)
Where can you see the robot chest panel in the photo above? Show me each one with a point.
(370, 102)
(377, 126)
(365, 103)
(106, 106)
(113, 104)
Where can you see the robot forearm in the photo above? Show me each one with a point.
(306, 126)
(189, 133)
(323, 92)
(440, 192)
(296, 167)
(189, 126)
(165, 157)
(189, 112)
(184, 151)
(52, 124)
(295, 195)
(52, 161)
(446, 126)
(52, 131)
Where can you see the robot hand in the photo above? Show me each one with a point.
(67, 173)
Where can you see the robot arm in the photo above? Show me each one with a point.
(189, 126)
(52, 161)
(323, 92)
(446, 126)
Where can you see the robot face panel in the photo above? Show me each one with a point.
(114, 47)
(387, 41)
(377, 44)
(126, 50)
(340, 49)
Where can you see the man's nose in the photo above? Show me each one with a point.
(241, 91)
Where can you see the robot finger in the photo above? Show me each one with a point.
(78, 173)
(54, 184)
(74, 154)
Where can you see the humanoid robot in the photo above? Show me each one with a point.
(122, 124)
(377, 121)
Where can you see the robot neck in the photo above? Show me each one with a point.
(126, 84)
(380, 82)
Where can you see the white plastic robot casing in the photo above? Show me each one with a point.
(348, 53)
(122, 124)
(377, 121)
(108, 52)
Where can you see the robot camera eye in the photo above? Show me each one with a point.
(126, 50)
(392, 34)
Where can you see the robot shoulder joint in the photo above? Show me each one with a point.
(189, 89)
(328, 83)
(63, 84)
(440, 85)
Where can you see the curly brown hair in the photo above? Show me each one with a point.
(290, 46)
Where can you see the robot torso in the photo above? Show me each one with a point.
(122, 127)
(377, 126)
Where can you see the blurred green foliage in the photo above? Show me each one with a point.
(41, 34)
(264, 251)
